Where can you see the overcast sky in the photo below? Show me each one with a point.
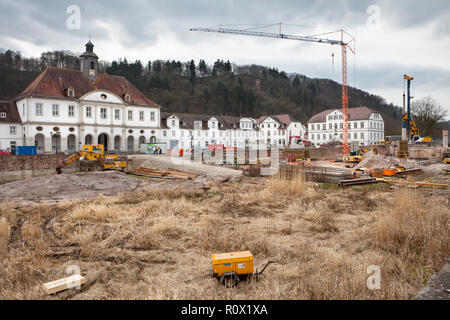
(392, 37)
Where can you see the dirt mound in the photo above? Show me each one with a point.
(63, 187)
(372, 161)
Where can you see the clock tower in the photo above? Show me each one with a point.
(89, 62)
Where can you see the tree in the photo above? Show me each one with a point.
(192, 74)
(202, 68)
(427, 113)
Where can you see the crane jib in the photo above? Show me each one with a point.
(270, 35)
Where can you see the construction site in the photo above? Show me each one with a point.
(199, 225)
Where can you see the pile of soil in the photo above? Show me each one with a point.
(372, 161)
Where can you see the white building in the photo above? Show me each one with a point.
(366, 126)
(191, 130)
(10, 127)
(63, 109)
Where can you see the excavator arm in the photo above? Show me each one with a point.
(67, 162)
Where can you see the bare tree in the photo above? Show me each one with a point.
(427, 113)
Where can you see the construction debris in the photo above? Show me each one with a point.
(170, 174)
(64, 284)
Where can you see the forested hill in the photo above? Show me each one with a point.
(221, 89)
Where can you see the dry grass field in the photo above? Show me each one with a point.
(157, 244)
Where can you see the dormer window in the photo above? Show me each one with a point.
(70, 92)
(3, 115)
(127, 98)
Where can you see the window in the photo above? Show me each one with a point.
(324, 127)
(330, 117)
(312, 127)
(324, 136)
(3, 115)
(362, 135)
(164, 133)
(88, 112)
(341, 126)
(341, 117)
(312, 137)
(12, 130)
(127, 98)
(71, 111)
(173, 123)
(70, 92)
(141, 115)
(117, 114)
(341, 136)
(330, 136)
(355, 125)
(173, 134)
(330, 126)
(362, 125)
(103, 113)
(130, 115)
(355, 136)
(152, 116)
(55, 109)
(39, 109)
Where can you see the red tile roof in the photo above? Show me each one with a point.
(53, 82)
(361, 113)
(12, 114)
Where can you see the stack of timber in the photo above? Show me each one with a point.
(170, 174)
(357, 182)
(327, 174)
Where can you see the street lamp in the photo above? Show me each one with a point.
(56, 135)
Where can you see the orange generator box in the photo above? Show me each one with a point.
(240, 263)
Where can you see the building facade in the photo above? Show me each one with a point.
(63, 109)
(365, 126)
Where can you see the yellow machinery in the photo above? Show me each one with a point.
(230, 268)
(93, 155)
(446, 157)
(357, 156)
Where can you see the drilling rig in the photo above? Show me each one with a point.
(313, 38)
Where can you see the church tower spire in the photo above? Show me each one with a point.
(89, 62)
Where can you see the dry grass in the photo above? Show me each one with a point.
(417, 227)
(157, 244)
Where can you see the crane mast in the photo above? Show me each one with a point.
(314, 39)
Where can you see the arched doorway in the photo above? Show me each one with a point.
(103, 140)
(71, 143)
(88, 139)
(39, 142)
(130, 143)
(117, 142)
(141, 140)
(56, 143)
(153, 139)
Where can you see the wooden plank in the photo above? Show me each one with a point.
(64, 284)
(420, 184)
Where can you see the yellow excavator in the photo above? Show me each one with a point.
(358, 156)
(94, 156)
(446, 157)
